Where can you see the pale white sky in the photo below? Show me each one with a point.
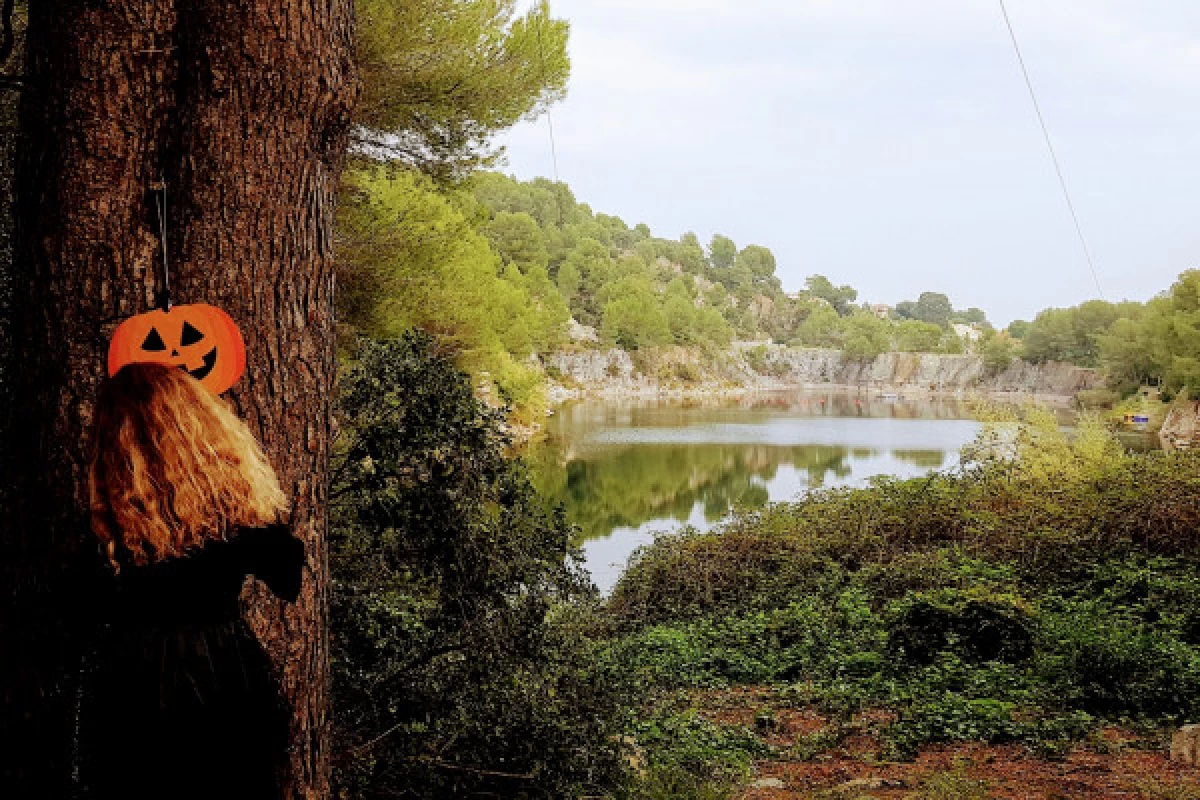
(890, 144)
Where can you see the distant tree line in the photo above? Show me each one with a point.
(1134, 343)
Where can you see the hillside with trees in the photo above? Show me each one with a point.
(502, 270)
(1134, 343)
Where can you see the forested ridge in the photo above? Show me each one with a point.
(502, 270)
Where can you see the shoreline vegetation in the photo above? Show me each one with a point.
(1032, 609)
(1022, 621)
(1029, 616)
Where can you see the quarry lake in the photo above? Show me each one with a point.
(626, 470)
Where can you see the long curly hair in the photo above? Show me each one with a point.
(173, 467)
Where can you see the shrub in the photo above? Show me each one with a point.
(461, 659)
(976, 624)
(689, 758)
(1113, 667)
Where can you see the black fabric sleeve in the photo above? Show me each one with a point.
(275, 557)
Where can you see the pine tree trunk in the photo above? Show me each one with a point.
(241, 107)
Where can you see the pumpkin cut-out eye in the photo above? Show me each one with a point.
(154, 342)
(190, 335)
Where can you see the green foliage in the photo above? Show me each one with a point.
(518, 240)
(866, 336)
(634, 318)
(722, 252)
(686, 757)
(914, 336)
(863, 336)
(821, 328)
(441, 77)
(931, 307)
(759, 261)
(839, 297)
(638, 290)
(1098, 662)
(1071, 334)
(1049, 586)
(972, 316)
(976, 625)
(998, 352)
(570, 282)
(409, 258)
(1160, 340)
(461, 665)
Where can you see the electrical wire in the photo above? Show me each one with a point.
(553, 145)
(1062, 181)
(545, 8)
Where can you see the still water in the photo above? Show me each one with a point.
(627, 470)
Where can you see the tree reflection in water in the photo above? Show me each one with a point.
(622, 470)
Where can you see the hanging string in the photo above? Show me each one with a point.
(1062, 181)
(160, 201)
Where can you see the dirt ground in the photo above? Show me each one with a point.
(812, 764)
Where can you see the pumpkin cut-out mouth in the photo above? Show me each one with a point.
(201, 372)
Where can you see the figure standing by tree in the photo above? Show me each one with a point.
(179, 700)
(242, 111)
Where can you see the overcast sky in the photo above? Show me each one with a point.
(891, 144)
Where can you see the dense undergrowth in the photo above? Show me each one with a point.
(1048, 588)
(458, 663)
(1045, 590)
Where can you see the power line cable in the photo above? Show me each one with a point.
(553, 145)
(545, 9)
(1062, 181)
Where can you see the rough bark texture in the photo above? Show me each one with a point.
(242, 108)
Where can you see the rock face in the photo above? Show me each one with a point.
(771, 366)
(1181, 428)
(591, 366)
(1185, 745)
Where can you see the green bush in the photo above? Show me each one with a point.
(1108, 666)
(1032, 596)
(690, 758)
(462, 660)
(976, 624)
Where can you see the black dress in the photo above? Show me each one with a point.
(177, 696)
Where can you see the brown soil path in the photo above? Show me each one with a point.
(813, 764)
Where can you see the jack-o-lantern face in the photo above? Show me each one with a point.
(201, 339)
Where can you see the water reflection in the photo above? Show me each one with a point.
(625, 471)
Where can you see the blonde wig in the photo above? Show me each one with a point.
(173, 467)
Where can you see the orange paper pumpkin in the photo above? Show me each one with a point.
(199, 338)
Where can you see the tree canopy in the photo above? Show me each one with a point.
(411, 259)
(441, 77)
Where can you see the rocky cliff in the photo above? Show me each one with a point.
(777, 367)
(1181, 429)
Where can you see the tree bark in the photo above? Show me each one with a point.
(241, 108)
